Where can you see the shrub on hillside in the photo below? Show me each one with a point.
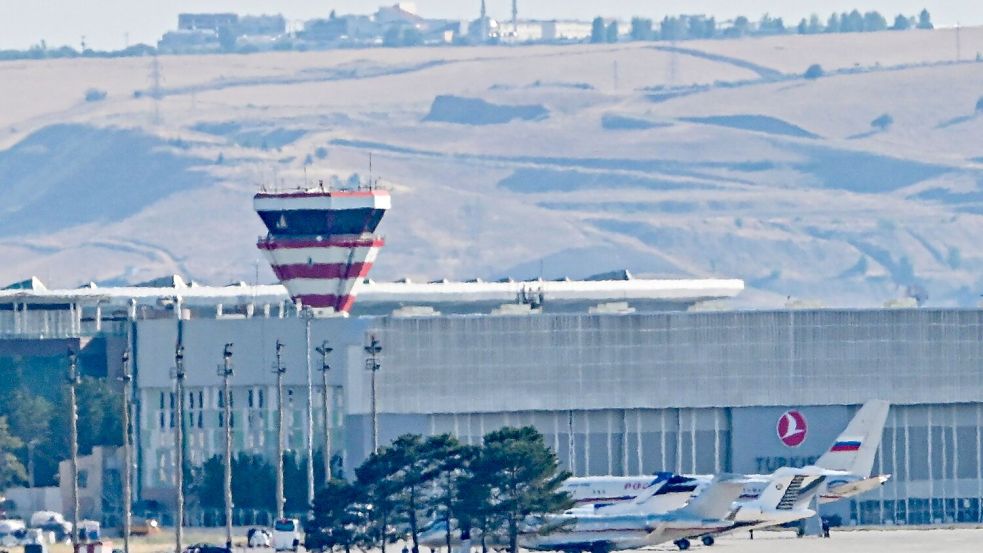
(95, 95)
(882, 122)
(813, 72)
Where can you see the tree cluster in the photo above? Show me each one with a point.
(36, 434)
(438, 484)
(691, 27)
(253, 482)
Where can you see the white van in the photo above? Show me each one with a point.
(11, 532)
(286, 534)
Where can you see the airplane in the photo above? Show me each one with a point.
(633, 524)
(850, 458)
(842, 472)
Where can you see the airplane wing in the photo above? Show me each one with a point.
(716, 500)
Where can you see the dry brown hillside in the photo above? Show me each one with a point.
(698, 158)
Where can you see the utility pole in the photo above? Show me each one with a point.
(225, 371)
(179, 443)
(308, 315)
(372, 363)
(127, 378)
(324, 350)
(155, 87)
(73, 436)
(280, 435)
(959, 49)
(515, 19)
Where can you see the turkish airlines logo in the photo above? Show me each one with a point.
(792, 428)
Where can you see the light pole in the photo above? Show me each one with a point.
(280, 446)
(73, 436)
(324, 350)
(372, 363)
(225, 371)
(179, 443)
(308, 315)
(127, 378)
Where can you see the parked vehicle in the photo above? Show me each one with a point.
(206, 548)
(11, 532)
(286, 534)
(258, 537)
(51, 522)
(143, 526)
(90, 530)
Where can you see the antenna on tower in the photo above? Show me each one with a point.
(371, 181)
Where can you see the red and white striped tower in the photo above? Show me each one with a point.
(321, 244)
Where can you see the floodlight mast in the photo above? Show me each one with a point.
(279, 369)
(325, 350)
(73, 382)
(179, 444)
(372, 364)
(127, 378)
(225, 371)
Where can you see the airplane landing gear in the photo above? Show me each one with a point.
(707, 540)
(683, 544)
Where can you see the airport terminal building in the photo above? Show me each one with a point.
(622, 376)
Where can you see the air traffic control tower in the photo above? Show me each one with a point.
(322, 243)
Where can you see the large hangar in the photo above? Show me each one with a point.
(617, 381)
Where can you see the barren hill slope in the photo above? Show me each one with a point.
(704, 158)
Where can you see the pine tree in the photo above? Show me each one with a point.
(523, 477)
(925, 20)
(901, 23)
(339, 518)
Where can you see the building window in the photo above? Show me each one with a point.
(250, 397)
(221, 420)
(232, 420)
(172, 400)
(232, 399)
(260, 398)
(172, 419)
(83, 479)
(221, 399)
(191, 400)
(162, 420)
(201, 399)
(162, 400)
(200, 425)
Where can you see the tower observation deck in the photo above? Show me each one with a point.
(322, 244)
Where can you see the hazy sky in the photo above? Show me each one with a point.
(106, 24)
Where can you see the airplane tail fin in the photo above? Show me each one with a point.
(654, 488)
(854, 449)
(791, 488)
(716, 500)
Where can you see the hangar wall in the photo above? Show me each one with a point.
(616, 394)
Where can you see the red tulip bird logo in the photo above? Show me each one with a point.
(792, 428)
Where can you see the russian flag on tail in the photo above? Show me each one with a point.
(846, 445)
